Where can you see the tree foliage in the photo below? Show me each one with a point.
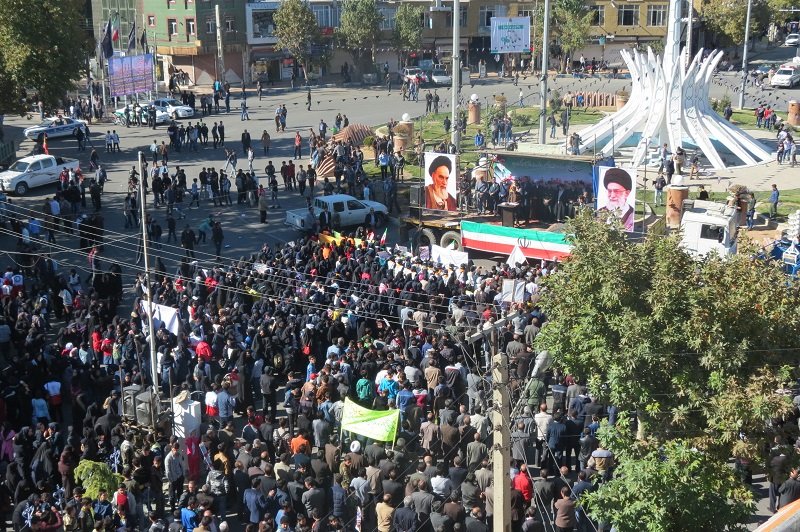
(42, 48)
(727, 19)
(95, 477)
(296, 29)
(697, 348)
(571, 23)
(408, 29)
(360, 31)
(669, 488)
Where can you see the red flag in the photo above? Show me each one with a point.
(92, 253)
(44, 146)
(115, 28)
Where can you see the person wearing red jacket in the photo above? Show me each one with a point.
(523, 483)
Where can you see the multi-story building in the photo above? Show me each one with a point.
(183, 32)
(184, 36)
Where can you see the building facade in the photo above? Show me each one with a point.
(184, 35)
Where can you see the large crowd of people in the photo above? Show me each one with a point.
(278, 341)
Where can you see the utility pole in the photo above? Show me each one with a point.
(543, 82)
(455, 137)
(501, 462)
(151, 329)
(744, 53)
(220, 50)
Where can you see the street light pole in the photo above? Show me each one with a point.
(220, 49)
(455, 89)
(744, 53)
(543, 83)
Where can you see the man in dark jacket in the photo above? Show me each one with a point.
(405, 518)
(789, 490)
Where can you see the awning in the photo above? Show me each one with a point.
(267, 54)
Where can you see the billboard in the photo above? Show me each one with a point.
(441, 173)
(616, 193)
(511, 35)
(130, 75)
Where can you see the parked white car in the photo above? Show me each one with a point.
(441, 77)
(34, 171)
(793, 39)
(55, 127)
(174, 108)
(786, 76)
(351, 211)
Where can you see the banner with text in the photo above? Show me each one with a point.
(130, 75)
(511, 35)
(380, 425)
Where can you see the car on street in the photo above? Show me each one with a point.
(787, 76)
(162, 117)
(55, 127)
(413, 74)
(34, 171)
(351, 211)
(440, 77)
(174, 108)
(793, 39)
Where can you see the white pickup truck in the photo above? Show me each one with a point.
(34, 171)
(351, 211)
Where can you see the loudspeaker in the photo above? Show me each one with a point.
(146, 403)
(416, 195)
(129, 394)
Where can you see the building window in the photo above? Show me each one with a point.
(172, 27)
(628, 15)
(485, 14)
(230, 25)
(328, 16)
(657, 15)
(526, 10)
(151, 20)
(462, 11)
(389, 15)
(598, 15)
(190, 27)
(211, 25)
(263, 24)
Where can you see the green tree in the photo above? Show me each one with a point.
(407, 35)
(297, 30)
(96, 476)
(572, 21)
(360, 31)
(728, 19)
(696, 347)
(668, 488)
(42, 48)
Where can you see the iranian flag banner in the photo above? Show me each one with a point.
(115, 28)
(501, 240)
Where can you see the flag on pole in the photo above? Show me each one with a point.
(132, 38)
(383, 238)
(143, 40)
(44, 145)
(106, 44)
(115, 27)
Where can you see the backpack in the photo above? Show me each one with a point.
(365, 390)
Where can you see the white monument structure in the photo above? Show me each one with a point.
(669, 104)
